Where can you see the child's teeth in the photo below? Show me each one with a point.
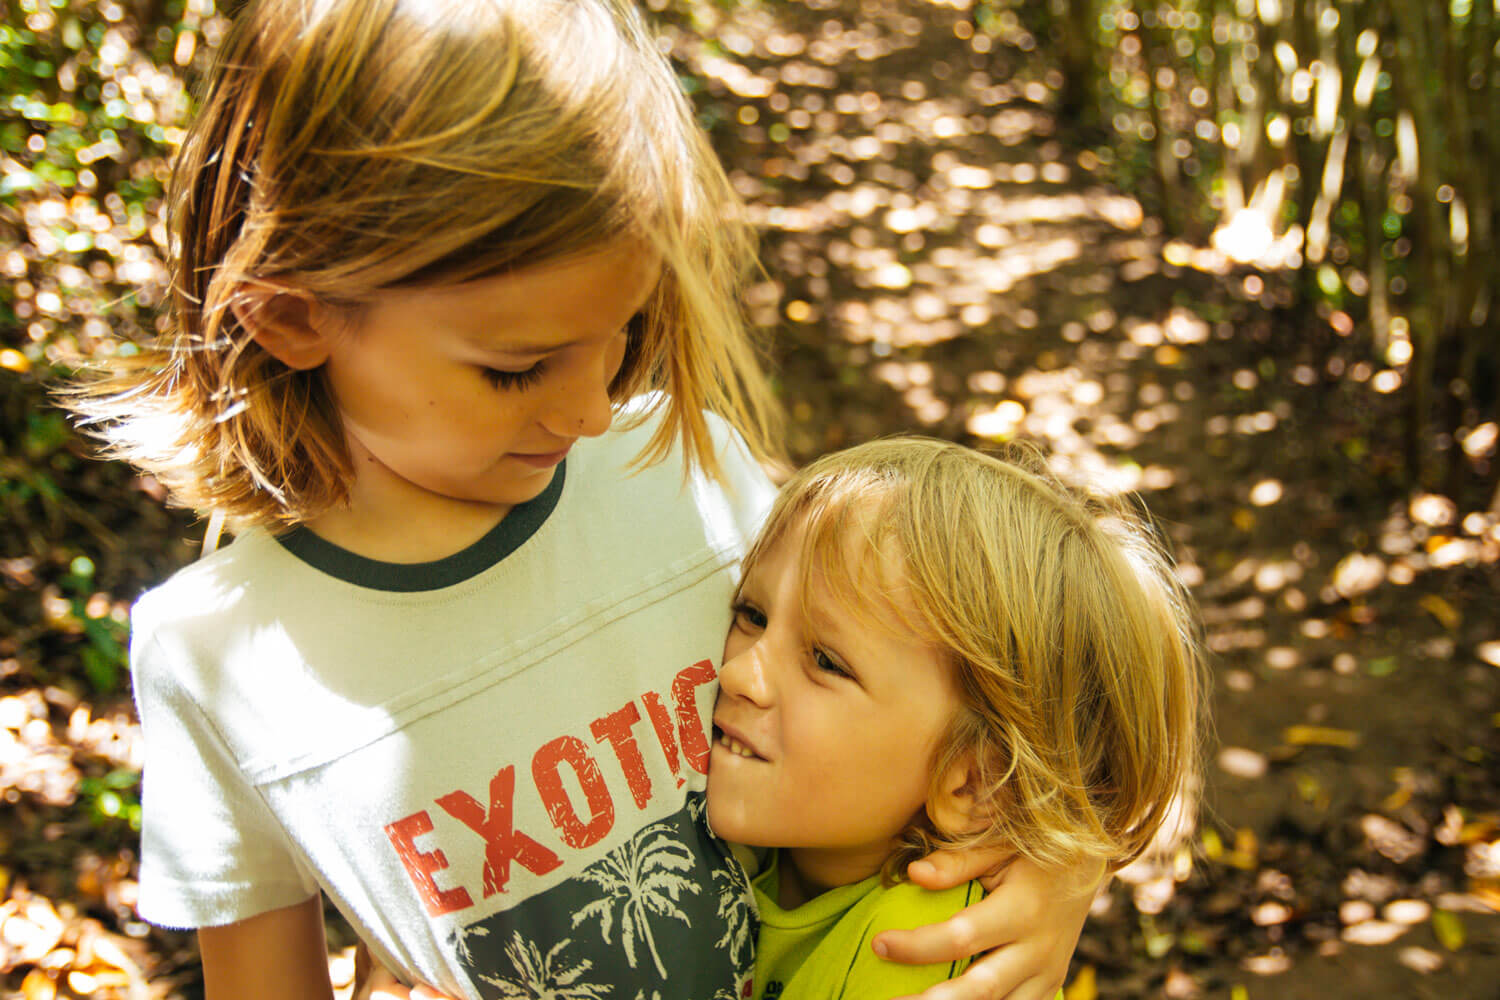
(735, 746)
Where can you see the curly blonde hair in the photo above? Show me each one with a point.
(345, 146)
(1074, 648)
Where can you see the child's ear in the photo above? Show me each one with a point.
(953, 807)
(293, 326)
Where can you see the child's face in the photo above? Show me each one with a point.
(475, 392)
(825, 727)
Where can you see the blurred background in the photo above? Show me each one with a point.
(1237, 256)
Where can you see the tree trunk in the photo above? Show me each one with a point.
(1077, 27)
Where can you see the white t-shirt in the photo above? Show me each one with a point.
(493, 764)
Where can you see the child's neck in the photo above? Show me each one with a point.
(807, 872)
(412, 539)
(390, 520)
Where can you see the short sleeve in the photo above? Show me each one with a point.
(211, 852)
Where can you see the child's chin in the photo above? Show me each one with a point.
(723, 821)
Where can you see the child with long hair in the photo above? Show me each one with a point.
(933, 649)
(455, 350)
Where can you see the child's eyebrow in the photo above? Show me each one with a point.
(826, 624)
(510, 347)
(516, 345)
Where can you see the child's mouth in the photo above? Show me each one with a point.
(733, 745)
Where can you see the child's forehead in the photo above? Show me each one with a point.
(851, 564)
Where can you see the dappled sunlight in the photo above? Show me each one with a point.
(1212, 296)
(948, 266)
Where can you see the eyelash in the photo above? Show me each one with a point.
(744, 611)
(505, 380)
(828, 664)
(501, 379)
(748, 616)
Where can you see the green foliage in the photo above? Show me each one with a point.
(104, 655)
(113, 798)
(1348, 141)
(96, 101)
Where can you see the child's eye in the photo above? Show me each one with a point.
(500, 378)
(748, 616)
(828, 664)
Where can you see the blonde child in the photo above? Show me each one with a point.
(933, 649)
(451, 672)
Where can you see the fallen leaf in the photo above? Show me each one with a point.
(1446, 614)
(38, 986)
(29, 929)
(1480, 828)
(1448, 928)
(1372, 932)
(1396, 799)
(1242, 762)
(1486, 893)
(1271, 964)
(1084, 985)
(1321, 736)
(1213, 844)
(1407, 911)
(1420, 960)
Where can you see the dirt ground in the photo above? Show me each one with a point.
(943, 257)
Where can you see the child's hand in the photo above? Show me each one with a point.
(1029, 925)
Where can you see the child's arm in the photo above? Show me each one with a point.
(269, 956)
(1029, 925)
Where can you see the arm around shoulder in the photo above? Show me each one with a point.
(270, 956)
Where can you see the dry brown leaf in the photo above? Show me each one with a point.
(29, 929)
(38, 986)
(1487, 892)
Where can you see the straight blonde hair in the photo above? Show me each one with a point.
(345, 146)
(1074, 647)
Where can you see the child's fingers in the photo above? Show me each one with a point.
(973, 929)
(383, 986)
(1000, 975)
(945, 869)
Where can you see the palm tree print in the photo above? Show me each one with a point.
(460, 937)
(642, 879)
(723, 993)
(539, 977)
(734, 910)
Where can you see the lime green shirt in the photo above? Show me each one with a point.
(821, 949)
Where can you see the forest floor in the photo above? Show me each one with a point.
(943, 256)
(945, 259)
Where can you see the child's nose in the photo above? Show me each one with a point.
(744, 675)
(581, 404)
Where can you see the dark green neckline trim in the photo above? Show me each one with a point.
(514, 528)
